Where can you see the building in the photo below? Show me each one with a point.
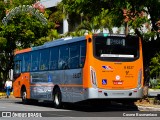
(50, 4)
(64, 26)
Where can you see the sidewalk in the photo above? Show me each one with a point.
(145, 105)
(148, 107)
(3, 95)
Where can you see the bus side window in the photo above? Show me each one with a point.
(26, 65)
(44, 59)
(35, 61)
(64, 57)
(74, 55)
(54, 56)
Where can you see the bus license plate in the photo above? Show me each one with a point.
(117, 82)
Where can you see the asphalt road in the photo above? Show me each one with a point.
(14, 109)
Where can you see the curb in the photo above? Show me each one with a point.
(4, 94)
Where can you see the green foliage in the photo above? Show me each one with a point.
(87, 25)
(41, 41)
(155, 65)
(149, 35)
(53, 34)
(2, 9)
(93, 11)
(76, 33)
(138, 22)
(59, 14)
(3, 42)
(155, 83)
(103, 20)
(22, 31)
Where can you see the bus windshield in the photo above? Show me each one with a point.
(116, 48)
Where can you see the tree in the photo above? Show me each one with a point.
(100, 22)
(23, 30)
(108, 13)
(155, 66)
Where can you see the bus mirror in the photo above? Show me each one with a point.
(89, 40)
(15, 76)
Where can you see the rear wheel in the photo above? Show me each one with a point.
(57, 98)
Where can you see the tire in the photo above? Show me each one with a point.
(57, 98)
(24, 96)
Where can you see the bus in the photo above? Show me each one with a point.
(93, 67)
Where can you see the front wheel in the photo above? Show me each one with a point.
(57, 98)
(24, 96)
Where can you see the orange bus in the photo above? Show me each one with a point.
(93, 67)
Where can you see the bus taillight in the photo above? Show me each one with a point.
(93, 77)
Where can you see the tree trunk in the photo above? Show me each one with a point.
(126, 28)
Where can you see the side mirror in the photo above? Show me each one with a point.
(15, 76)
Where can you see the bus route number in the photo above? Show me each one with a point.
(76, 75)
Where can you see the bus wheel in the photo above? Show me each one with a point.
(24, 96)
(57, 98)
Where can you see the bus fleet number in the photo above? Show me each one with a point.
(76, 75)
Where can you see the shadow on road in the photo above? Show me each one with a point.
(85, 107)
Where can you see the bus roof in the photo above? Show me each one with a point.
(63, 41)
(59, 42)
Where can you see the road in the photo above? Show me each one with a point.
(13, 107)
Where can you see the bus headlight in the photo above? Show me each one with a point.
(93, 77)
(139, 78)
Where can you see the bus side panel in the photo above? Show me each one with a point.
(72, 87)
(42, 84)
(23, 80)
(16, 88)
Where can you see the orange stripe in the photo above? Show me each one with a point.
(22, 51)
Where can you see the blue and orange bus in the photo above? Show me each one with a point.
(93, 67)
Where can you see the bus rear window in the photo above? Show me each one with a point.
(113, 48)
